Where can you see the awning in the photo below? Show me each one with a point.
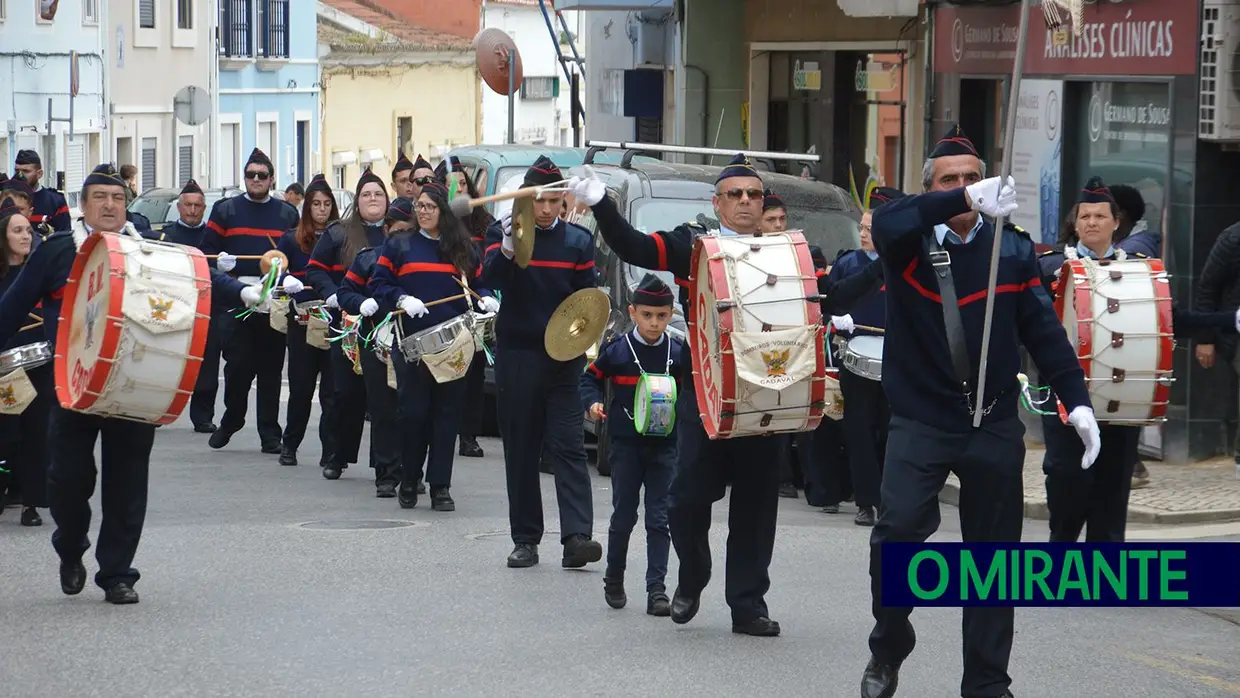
(372, 155)
(340, 158)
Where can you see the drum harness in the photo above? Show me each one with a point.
(941, 260)
(637, 361)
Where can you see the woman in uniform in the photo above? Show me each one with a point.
(307, 365)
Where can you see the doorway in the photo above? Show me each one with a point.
(979, 116)
(302, 147)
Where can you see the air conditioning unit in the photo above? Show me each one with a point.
(1219, 105)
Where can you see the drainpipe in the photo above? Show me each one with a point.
(928, 82)
(213, 88)
(105, 106)
(705, 103)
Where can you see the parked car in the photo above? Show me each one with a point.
(160, 205)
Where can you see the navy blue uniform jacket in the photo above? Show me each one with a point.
(616, 364)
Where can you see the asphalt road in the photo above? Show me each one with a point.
(241, 598)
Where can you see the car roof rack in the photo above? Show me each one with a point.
(632, 149)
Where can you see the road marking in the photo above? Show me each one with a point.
(1183, 673)
(1184, 532)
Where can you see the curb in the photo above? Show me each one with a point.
(1037, 509)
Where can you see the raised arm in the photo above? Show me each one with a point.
(841, 290)
(900, 226)
(661, 251)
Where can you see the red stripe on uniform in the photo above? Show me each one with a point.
(661, 245)
(58, 294)
(972, 297)
(1003, 288)
(594, 369)
(493, 247)
(215, 226)
(355, 278)
(385, 262)
(253, 232)
(415, 267)
(554, 265)
(624, 380)
(682, 282)
(62, 209)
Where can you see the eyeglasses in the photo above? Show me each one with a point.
(423, 181)
(255, 174)
(425, 208)
(736, 194)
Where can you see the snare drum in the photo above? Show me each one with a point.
(834, 408)
(26, 357)
(1117, 314)
(349, 341)
(435, 339)
(382, 343)
(864, 357)
(280, 302)
(484, 329)
(302, 310)
(654, 405)
(133, 328)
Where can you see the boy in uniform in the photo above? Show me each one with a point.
(637, 459)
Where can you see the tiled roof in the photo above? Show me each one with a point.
(408, 35)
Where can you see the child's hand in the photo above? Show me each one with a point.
(596, 412)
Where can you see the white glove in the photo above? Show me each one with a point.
(413, 307)
(293, 285)
(589, 190)
(331, 301)
(488, 304)
(251, 295)
(225, 262)
(843, 323)
(993, 196)
(1082, 419)
(370, 306)
(506, 245)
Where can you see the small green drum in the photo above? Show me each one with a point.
(654, 405)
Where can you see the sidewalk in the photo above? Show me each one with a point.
(1177, 494)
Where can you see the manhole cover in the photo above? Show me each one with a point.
(356, 525)
(507, 535)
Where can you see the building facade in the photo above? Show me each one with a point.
(64, 58)
(632, 59)
(268, 88)
(160, 87)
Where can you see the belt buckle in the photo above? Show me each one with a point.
(940, 258)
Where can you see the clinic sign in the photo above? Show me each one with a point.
(1119, 37)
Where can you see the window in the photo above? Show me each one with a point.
(404, 133)
(149, 158)
(230, 154)
(338, 176)
(4, 10)
(185, 160)
(90, 11)
(273, 18)
(234, 31)
(265, 138)
(146, 14)
(185, 14)
(540, 88)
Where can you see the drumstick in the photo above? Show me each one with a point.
(237, 256)
(869, 328)
(31, 326)
(434, 303)
(468, 289)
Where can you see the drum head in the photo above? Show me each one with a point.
(94, 295)
(869, 347)
(705, 336)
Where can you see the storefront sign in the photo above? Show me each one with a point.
(806, 76)
(1036, 149)
(1132, 37)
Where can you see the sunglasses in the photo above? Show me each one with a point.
(423, 181)
(736, 194)
(260, 176)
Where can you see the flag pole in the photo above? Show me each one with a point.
(1009, 134)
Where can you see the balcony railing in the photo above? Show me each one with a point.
(273, 18)
(236, 39)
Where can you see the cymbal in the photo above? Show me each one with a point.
(577, 324)
(264, 264)
(523, 230)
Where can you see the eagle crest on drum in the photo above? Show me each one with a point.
(776, 362)
(159, 308)
(91, 315)
(457, 362)
(7, 396)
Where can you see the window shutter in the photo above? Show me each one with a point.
(149, 159)
(146, 14)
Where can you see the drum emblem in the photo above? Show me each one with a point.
(92, 314)
(776, 362)
(159, 308)
(7, 396)
(457, 362)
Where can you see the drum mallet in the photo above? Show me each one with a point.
(449, 299)
(462, 205)
(869, 328)
(468, 290)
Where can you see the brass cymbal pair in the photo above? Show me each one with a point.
(577, 324)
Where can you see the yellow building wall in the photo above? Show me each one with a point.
(361, 107)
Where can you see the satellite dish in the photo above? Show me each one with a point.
(495, 50)
(192, 105)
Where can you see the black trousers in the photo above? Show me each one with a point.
(386, 420)
(990, 464)
(1095, 500)
(865, 426)
(637, 463)
(833, 483)
(24, 440)
(126, 451)
(539, 407)
(254, 350)
(704, 470)
(430, 415)
(351, 402)
(471, 412)
(308, 367)
(202, 403)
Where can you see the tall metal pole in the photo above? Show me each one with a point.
(575, 105)
(1009, 135)
(512, 97)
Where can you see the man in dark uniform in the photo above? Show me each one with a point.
(72, 435)
(537, 395)
(935, 249)
(188, 230)
(22, 196)
(49, 205)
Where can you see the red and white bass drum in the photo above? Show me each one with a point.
(756, 335)
(1117, 314)
(133, 328)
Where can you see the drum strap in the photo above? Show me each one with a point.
(942, 263)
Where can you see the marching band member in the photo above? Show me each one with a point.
(249, 224)
(376, 396)
(22, 196)
(539, 405)
(49, 205)
(475, 382)
(935, 250)
(775, 220)
(307, 365)
(23, 437)
(409, 177)
(332, 256)
(72, 435)
(188, 230)
(294, 195)
(637, 461)
(866, 416)
(774, 213)
(414, 270)
(826, 470)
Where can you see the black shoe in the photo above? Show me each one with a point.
(207, 428)
(788, 491)
(121, 594)
(685, 606)
(613, 593)
(880, 679)
(470, 448)
(758, 627)
(72, 577)
(657, 603)
(30, 517)
(441, 500)
(385, 490)
(219, 438)
(865, 516)
(288, 456)
(831, 509)
(523, 555)
(580, 551)
(332, 471)
(273, 447)
(421, 487)
(407, 496)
